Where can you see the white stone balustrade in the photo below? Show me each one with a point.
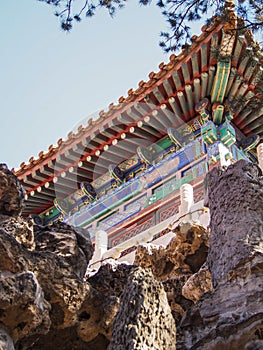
(187, 199)
(188, 211)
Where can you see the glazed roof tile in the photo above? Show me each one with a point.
(144, 88)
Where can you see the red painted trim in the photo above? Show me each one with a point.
(149, 210)
(126, 104)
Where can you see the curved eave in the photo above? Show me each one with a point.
(167, 99)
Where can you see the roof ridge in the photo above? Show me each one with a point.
(133, 95)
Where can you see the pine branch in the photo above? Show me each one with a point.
(178, 13)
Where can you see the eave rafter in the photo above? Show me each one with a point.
(168, 99)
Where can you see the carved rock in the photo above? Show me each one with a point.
(45, 298)
(71, 308)
(67, 339)
(144, 320)
(235, 199)
(6, 342)
(178, 303)
(11, 193)
(47, 302)
(71, 244)
(185, 253)
(254, 345)
(20, 228)
(111, 278)
(96, 315)
(198, 284)
(231, 316)
(175, 264)
(24, 311)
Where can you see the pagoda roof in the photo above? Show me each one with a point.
(172, 91)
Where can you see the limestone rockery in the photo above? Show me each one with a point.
(203, 291)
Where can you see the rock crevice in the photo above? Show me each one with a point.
(202, 291)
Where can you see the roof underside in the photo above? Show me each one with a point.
(167, 99)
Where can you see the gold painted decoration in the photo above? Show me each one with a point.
(129, 163)
(88, 190)
(250, 142)
(221, 80)
(227, 134)
(101, 181)
(202, 107)
(116, 173)
(62, 205)
(176, 137)
(218, 113)
(145, 155)
(209, 133)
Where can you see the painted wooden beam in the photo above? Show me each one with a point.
(218, 111)
(190, 100)
(240, 39)
(250, 69)
(31, 181)
(242, 115)
(197, 90)
(220, 81)
(204, 60)
(232, 76)
(183, 103)
(169, 114)
(36, 174)
(259, 130)
(258, 76)
(244, 61)
(241, 108)
(235, 86)
(227, 45)
(241, 91)
(167, 86)
(211, 77)
(195, 65)
(186, 73)
(251, 117)
(177, 80)
(255, 124)
(214, 49)
(159, 96)
(204, 83)
(175, 107)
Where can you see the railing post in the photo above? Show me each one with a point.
(187, 199)
(101, 246)
(260, 155)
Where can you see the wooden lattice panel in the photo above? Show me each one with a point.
(168, 212)
(133, 231)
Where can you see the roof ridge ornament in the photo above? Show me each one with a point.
(230, 16)
(229, 5)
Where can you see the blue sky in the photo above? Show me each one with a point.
(51, 80)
